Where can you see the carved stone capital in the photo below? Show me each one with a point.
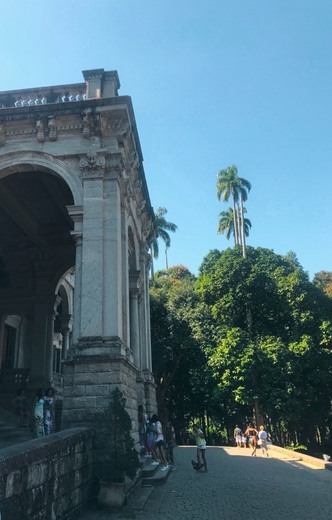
(93, 165)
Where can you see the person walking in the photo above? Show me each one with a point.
(201, 447)
(238, 436)
(262, 438)
(251, 433)
(170, 443)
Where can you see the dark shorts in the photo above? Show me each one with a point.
(160, 443)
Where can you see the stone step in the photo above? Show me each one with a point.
(158, 477)
(138, 499)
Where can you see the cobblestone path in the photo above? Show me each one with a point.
(236, 487)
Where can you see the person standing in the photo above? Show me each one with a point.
(39, 414)
(21, 407)
(49, 406)
(159, 441)
(170, 443)
(238, 436)
(201, 446)
(262, 438)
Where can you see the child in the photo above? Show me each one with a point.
(201, 446)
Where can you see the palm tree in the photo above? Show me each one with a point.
(229, 184)
(162, 226)
(226, 223)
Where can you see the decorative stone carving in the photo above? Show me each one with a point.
(86, 124)
(138, 186)
(97, 124)
(93, 165)
(40, 130)
(133, 160)
(52, 129)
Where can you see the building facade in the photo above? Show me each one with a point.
(76, 224)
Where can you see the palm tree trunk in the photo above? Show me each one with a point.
(243, 235)
(235, 222)
(238, 219)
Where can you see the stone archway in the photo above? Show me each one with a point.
(35, 244)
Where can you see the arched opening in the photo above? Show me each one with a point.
(35, 245)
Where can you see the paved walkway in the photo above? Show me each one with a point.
(236, 487)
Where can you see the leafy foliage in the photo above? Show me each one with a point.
(119, 457)
(162, 227)
(272, 340)
(248, 331)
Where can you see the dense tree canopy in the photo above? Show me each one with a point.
(248, 331)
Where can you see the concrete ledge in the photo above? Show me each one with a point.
(320, 463)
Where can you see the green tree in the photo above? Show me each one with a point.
(178, 361)
(323, 280)
(285, 363)
(226, 224)
(230, 185)
(162, 227)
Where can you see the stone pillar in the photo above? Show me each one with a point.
(49, 340)
(113, 261)
(111, 84)
(76, 214)
(146, 343)
(65, 330)
(93, 79)
(134, 327)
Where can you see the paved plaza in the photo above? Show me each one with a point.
(236, 487)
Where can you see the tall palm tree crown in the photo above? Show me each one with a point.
(226, 223)
(229, 184)
(162, 226)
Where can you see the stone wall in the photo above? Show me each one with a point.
(88, 387)
(47, 478)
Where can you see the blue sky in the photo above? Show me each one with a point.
(213, 83)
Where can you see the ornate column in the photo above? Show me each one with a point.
(65, 329)
(76, 214)
(49, 342)
(134, 326)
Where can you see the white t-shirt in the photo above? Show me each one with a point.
(262, 435)
(159, 431)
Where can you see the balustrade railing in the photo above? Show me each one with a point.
(14, 376)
